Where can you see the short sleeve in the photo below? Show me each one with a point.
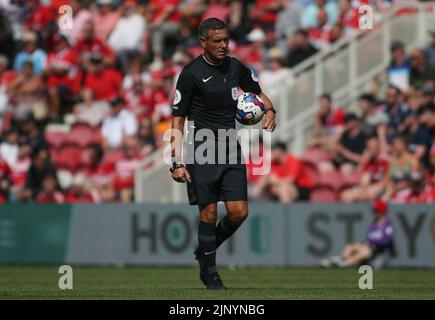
(248, 81)
(183, 94)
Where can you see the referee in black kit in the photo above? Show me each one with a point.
(206, 93)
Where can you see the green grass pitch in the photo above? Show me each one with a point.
(22, 282)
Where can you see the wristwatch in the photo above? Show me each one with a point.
(271, 109)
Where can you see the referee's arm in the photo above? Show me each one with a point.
(179, 173)
(268, 121)
(181, 105)
(249, 83)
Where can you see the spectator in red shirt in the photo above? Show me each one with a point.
(125, 169)
(321, 35)
(19, 169)
(5, 170)
(62, 74)
(416, 192)
(139, 98)
(50, 191)
(99, 174)
(79, 192)
(165, 23)
(41, 18)
(265, 12)
(6, 76)
(5, 182)
(89, 45)
(101, 83)
(288, 181)
(162, 84)
(374, 167)
(348, 17)
(329, 122)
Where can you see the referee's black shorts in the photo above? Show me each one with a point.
(218, 182)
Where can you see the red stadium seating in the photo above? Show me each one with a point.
(70, 157)
(331, 179)
(97, 138)
(323, 194)
(351, 180)
(81, 135)
(315, 155)
(56, 138)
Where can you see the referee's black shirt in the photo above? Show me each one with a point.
(207, 93)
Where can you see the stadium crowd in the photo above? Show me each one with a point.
(85, 98)
(384, 147)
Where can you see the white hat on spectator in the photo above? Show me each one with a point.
(29, 36)
(256, 35)
(104, 2)
(275, 53)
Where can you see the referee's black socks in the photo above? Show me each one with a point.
(226, 228)
(207, 244)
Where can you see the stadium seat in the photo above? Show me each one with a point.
(97, 138)
(315, 155)
(351, 180)
(56, 138)
(331, 179)
(323, 194)
(70, 157)
(81, 134)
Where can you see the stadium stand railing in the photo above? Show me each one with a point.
(344, 70)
